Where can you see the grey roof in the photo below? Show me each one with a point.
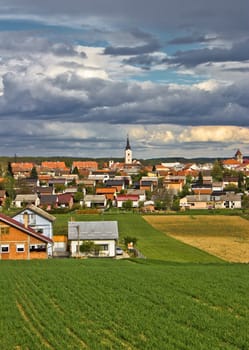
(92, 230)
(95, 198)
(26, 197)
(38, 211)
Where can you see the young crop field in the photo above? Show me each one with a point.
(142, 304)
(224, 236)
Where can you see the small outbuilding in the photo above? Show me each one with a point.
(104, 234)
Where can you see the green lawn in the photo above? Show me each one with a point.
(100, 304)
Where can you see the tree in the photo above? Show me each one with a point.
(75, 171)
(176, 204)
(9, 170)
(33, 173)
(78, 196)
(200, 178)
(89, 247)
(241, 184)
(245, 202)
(128, 205)
(217, 171)
(129, 239)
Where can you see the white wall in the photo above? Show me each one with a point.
(108, 253)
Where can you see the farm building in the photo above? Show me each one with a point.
(20, 242)
(37, 219)
(103, 234)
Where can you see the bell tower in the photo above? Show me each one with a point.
(128, 152)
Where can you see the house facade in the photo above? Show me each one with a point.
(104, 234)
(20, 242)
(39, 220)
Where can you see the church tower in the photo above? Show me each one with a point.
(239, 156)
(128, 152)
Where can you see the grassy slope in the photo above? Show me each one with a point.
(151, 242)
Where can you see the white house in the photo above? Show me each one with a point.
(95, 200)
(39, 220)
(102, 233)
(25, 199)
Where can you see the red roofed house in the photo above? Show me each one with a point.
(127, 197)
(109, 192)
(21, 169)
(90, 165)
(20, 242)
(65, 200)
(54, 168)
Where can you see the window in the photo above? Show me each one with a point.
(5, 248)
(32, 219)
(38, 248)
(39, 230)
(103, 247)
(20, 248)
(4, 230)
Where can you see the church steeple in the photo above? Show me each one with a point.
(127, 143)
(128, 152)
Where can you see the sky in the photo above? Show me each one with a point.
(78, 76)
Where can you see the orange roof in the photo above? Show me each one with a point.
(231, 162)
(21, 165)
(106, 190)
(54, 165)
(202, 191)
(1, 179)
(44, 177)
(85, 164)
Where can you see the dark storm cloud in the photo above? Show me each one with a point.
(151, 44)
(224, 16)
(239, 52)
(143, 61)
(192, 39)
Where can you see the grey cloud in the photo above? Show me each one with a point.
(28, 44)
(149, 44)
(192, 39)
(144, 61)
(223, 16)
(191, 58)
(237, 69)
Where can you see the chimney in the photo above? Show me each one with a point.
(26, 219)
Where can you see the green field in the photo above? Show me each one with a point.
(179, 298)
(152, 243)
(123, 304)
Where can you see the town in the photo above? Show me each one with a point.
(33, 192)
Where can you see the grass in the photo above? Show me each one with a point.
(152, 243)
(123, 304)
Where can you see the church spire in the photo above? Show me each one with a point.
(128, 143)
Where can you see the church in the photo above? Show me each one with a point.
(128, 152)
